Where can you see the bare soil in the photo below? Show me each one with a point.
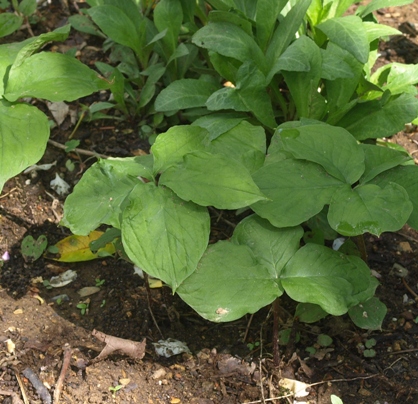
(227, 363)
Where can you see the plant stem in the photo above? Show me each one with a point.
(359, 241)
(276, 353)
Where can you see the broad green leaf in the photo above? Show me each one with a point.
(245, 143)
(168, 15)
(98, 196)
(303, 86)
(164, 235)
(333, 148)
(298, 190)
(309, 313)
(24, 132)
(377, 119)
(218, 123)
(407, 178)
(266, 18)
(229, 40)
(368, 315)
(65, 79)
(319, 275)
(374, 5)
(77, 248)
(250, 95)
(9, 23)
(184, 93)
(170, 147)
(117, 25)
(285, 33)
(348, 33)
(228, 283)
(271, 246)
(154, 74)
(369, 208)
(379, 159)
(212, 180)
(334, 68)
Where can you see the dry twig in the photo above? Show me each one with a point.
(65, 364)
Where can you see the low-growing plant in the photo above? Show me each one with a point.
(12, 21)
(26, 71)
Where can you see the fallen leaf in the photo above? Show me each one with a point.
(77, 248)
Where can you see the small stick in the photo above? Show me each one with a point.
(247, 330)
(148, 289)
(409, 288)
(22, 387)
(79, 151)
(65, 364)
(39, 387)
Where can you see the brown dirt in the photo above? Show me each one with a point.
(221, 368)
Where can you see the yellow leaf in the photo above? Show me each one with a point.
(155, 283)
(76, 248)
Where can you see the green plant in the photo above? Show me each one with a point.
(28, 72)
(100, 282)
(84, 307)
(115, 389)
(335, 399)
(292, 140)
(47, 284)
(146, 48)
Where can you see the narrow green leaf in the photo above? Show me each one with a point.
(377, 119)
(117, 25)
(285, 32)
(271, 246)
(226, 276)
(170, 147)
(379, 159)
(183, 94)
(168, 15)
(83, 23)
(65, 79)
(378, 4)
(377, 31)
(335, 149)
(212, 180)
(406, 177)
(319, 275)
(27, 7)
(298, 190)
(233, 18)
(164, 235)
(266, 18)
(369, 208)
(229, 40)
(9, 23)
(348, 33)
(101, 192)
(303, 86)
(24, 132)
